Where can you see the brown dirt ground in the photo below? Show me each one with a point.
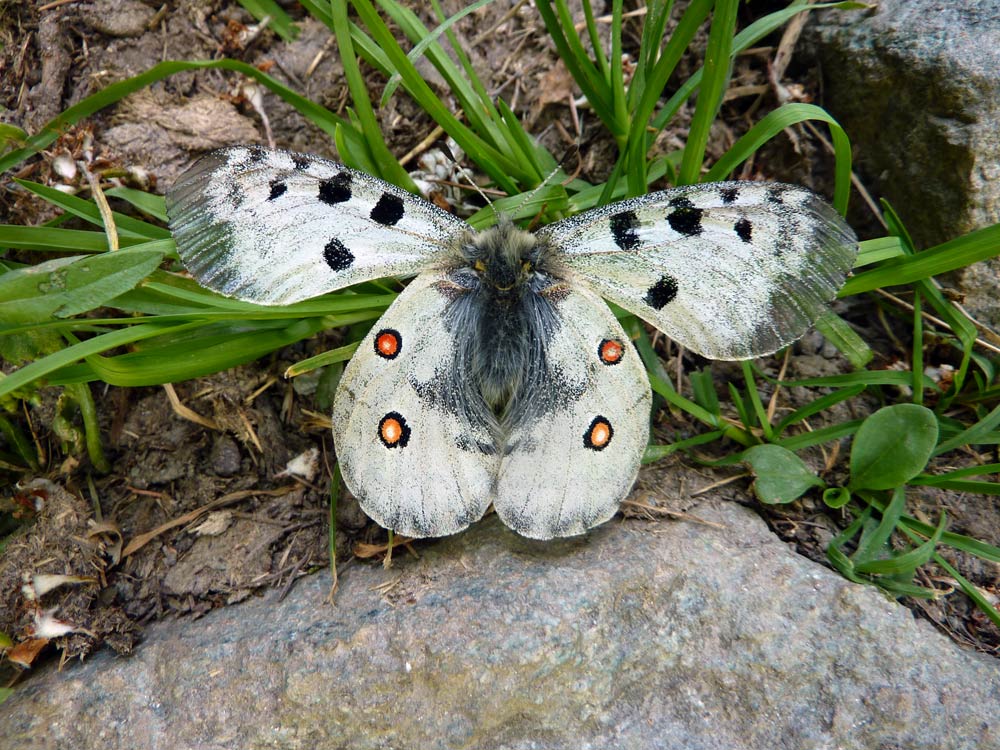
(226, 522)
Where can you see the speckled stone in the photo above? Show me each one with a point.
(640, 635)
(916, 84)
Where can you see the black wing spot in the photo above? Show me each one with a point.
(662, 293)
(302, 163)
(336, 190)
(278, 189)
(685, 218)
(337, 256)
(744, 229)
(623, 226)
(729, 194)
(256, 155)
(388, 211)
(776, 194)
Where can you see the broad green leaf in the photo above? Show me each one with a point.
(892, 446)
(69, 286)
(781, 476)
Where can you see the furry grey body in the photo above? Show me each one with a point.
(502, 315)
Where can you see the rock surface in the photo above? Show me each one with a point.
(915, 83)
(664, 635)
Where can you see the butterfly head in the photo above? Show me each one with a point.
(504, 257)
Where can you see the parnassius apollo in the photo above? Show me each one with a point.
(499, 374)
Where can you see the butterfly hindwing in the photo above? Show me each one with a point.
(573, 456)
(412, 448)
(731, 270)
(275, 227)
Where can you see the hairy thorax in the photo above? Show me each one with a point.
(503, 317)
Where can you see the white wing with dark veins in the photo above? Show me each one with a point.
(275, 227)
(575, 454)
(413, 447)
(731, 270)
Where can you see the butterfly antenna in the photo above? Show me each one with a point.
(468, 177)
(573, 150)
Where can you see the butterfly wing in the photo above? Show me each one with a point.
(274, 227)
(731, 270)
(574, 453)
(415, 446)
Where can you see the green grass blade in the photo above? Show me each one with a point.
(319, 116)
(656, 452)
(973, 592)
(45, 366)
(873, 543)
(747, 38)
(388, 167)
(209, 349)
(881, 248)
(715, 78)
(503, 170)
(150, 204)
(69, 286)
(907, 562)
(755, 401)
(970, 436)
(559, 25)
(57, 239)
(776, 121)
(127, 226)
(817, 405)
(836, 330)
(430, 38)
(949, 256)
(473, 100)
(820, 436)
(277, 19)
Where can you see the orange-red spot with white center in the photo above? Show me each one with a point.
(388, 343)
(610, 351)
(599, 434)
(392, 431)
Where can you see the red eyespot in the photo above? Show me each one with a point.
(610, 351)
(393, 430)
(598, 435)
(388, 343)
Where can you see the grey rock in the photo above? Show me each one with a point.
(660, 635)
(225, 459)
(121, 18)
(916, 84)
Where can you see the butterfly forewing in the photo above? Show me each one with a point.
(730, 270)
(275, 227)
(573, 456)
(412, 448)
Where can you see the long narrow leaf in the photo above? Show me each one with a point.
(958, 253)
(714, 81)
(776, 121)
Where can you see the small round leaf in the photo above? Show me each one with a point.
(836, 497)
